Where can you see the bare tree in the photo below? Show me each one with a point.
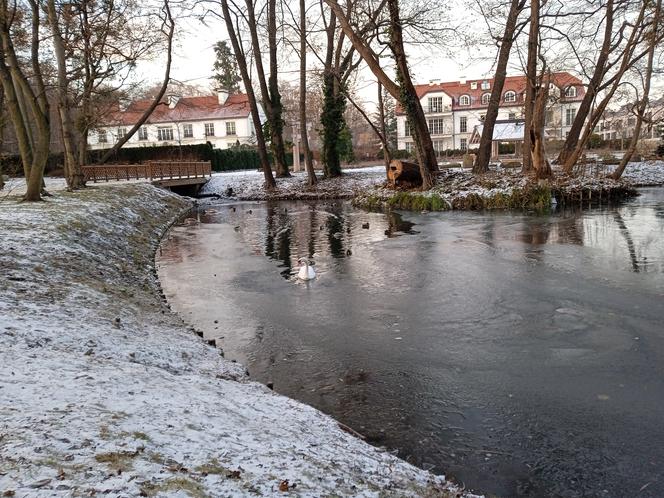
(642, 105)
(168, 29)
(27, 102)
(238, 49)
(594, 85)
(629, 55)
(73, 172)
(534, 39)
(308, 157)
(506, 40)
(403, 89)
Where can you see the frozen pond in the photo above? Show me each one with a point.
(521, 355)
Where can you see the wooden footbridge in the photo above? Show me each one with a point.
(188, 176)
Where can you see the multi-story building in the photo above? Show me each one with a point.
(454, 109)
(223, 120)
(620, 124)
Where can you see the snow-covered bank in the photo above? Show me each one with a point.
(458, 188)
(104, 391)
(248, 185)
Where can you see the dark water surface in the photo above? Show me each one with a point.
(522, 355)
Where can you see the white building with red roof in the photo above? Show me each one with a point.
(454, 109)
(222, 119)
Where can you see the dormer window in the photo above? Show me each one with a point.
(486, 98)
(570, 92)
(510, 96)
(464, 100)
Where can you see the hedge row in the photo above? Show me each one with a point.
(236, 158)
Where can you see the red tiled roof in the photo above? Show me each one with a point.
(186, 109)
(456, 89)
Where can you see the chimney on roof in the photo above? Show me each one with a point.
(462, 80)
(222, 96)
(172, 100)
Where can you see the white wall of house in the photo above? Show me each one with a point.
(453, 137)
(222, 138)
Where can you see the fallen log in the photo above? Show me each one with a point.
(404, 172)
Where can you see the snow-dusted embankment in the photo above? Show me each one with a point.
(104, 391)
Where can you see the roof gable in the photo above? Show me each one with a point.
(186, 109)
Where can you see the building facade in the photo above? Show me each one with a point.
(620, 124)
(454, 109)
(223, 120)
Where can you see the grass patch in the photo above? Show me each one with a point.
(117, 460)
(140, 435)
(189, 486)
(412, 201)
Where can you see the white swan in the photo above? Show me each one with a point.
(306, 271)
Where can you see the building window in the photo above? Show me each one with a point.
(511, 115)
(435, 104)
(570, 114)
(464, 100)
(187, 131)
(209, 129)
(463, 124)
(486, 98)
(230, 128)
(463, 144)
(436, 126)
(142, 133)
(164, 133)
(510, 96)
(570, 92)
(548, 117)
(407, 131)
(122, 131)
(102, 138)
(438, 146)
(409, 147)
(486, 85)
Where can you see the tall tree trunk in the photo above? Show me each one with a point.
(169, 25)
(599, 72)
(387, 155)
(304, 138)
(74, 174)
(537, 150)
(484, 152)
(643, 104)
(16, 117)
(411, 103)
(277, 127)
(270, 183)
(333, 106)
(271, 109)
(531, 78)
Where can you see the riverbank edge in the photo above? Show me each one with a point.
(455, 190)
(119, 470)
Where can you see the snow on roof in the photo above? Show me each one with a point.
(186, 109)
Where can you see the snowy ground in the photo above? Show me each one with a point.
(248, 185)
(104, 391)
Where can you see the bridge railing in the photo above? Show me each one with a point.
(153, 170)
